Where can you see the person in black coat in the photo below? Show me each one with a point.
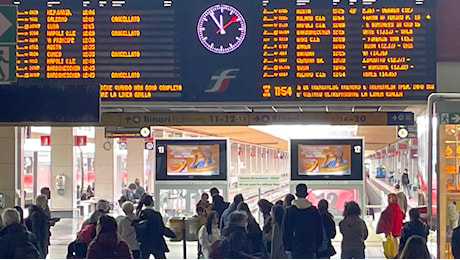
(254, 233)
(153, 241)
(455, 242)
(14, 236)
(414, 227)
(218, 203)
(38, 223)
(329, 226)
(237, 236)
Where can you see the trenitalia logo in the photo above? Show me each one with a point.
(221, 80)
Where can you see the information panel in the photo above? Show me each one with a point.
(235, 50)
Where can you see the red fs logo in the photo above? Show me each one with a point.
(219, 83)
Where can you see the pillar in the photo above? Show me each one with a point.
(9, 166)
(135, 161)
(62, 162)
(106, 185)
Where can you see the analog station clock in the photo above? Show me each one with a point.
(221, 29)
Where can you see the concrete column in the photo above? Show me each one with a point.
(135, 161)
(8, 165)
(104, 168)
(62, 162)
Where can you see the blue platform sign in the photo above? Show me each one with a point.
(400, 118)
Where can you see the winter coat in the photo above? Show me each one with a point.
(154, 240)
(329, 227)
(224, 219)
(354, 232)
(405, 178)
(13, 236)
(303, 233)
(238, 242)
(254, 236)
(205, 239)
(108, 246)
(219, 205)
(38, 223)
(411, 228)
(127, 232)
(455, 242)
(391, 220)
(277, 249)
(402, 200)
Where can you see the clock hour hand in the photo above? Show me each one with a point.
(232, 20)
(219, 25)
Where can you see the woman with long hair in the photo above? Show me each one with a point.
(209, 233)
(415, 248)
(354, 232)
(107, 244)
(329, 226)
(277, 250)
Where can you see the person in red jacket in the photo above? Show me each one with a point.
(107, 244)
(391, 219)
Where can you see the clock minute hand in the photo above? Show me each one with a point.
(221, 27)
(232, 20)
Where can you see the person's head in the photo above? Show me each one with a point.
(214, 191)
(337, 151)
(238, 218)
(106, 224)
(132, 186)
(89, 188)
(200, 211)
(204, 196)
(414, 214)
(265, 206)
(351, 209)
(415, 248)
(10, 216)
(392, 198)
(301, 190)
(46, 191)
(41, 201)
(279, 202)
(277, 214)
(211, 219)
(238, 198)
(323, 205)
(21, 212)
(206, 152)
(406, 170)
(103, 206)
(127, 207)
(137, 182)
(397, 186)
(148, 201)
(288, 200)
(243, 206)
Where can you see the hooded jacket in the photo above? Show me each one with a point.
(13, 236)
(303, 232)
(391, 220)
(354, 232)
(154, 240)
(411, 228)
(108, 246)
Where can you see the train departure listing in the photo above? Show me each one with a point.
(258, 50)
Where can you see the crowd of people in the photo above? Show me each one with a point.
(291, 228)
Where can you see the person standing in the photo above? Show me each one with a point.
(253, 230)
(224, 219)
(391, 219)
(302, 230)
(453, 215)
(354, 232)
(329, 226)
(203, 202)
(38, 223)
(126, 229)
(455, 242)
(237, 236)
(276, 246)
(405, 182)
(107, 244)
(153, 242)
(401, 198)
(414, 227)
(218, 203)
(139, 189)
(209, 233)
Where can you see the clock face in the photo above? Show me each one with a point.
(221, 29)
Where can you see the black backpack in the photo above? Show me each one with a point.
(220, 249)
(140, 226)
(26, 251)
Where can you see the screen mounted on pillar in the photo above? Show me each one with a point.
(191, 159)
(329, 159)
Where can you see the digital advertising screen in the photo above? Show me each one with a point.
(187, 160)
(191, 159)
(235, 50)
(326, 159)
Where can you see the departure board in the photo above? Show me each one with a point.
(235, 50)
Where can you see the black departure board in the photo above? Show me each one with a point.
(235, 50)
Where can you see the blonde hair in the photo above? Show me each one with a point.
(128, 207)
(41, 201)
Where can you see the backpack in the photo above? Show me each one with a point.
(140, 226)
(26, 251)
(220, 249)
(87, 233)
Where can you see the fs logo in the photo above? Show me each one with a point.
(219, 83)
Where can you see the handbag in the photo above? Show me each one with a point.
(389, 247)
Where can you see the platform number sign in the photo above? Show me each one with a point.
(357, 148)
(161, 149)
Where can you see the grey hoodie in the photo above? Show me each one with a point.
(354, 232)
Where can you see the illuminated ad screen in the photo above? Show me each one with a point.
(335, 159)
(238, 50)
(202, 159)
(184, 160)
